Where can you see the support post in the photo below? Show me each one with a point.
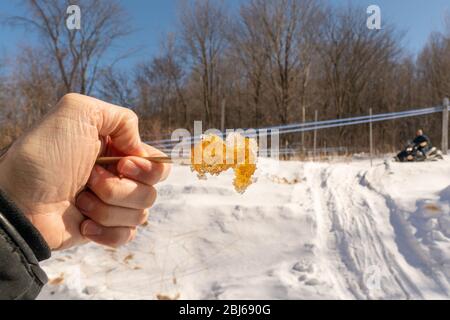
(445, 126)
(371, 137)
(303, 132)
(222, 116)
(316, 116)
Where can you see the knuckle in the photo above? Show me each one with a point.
(106, 192)
(105, 218)
(70, 97)
(131, 115)
(76, 100)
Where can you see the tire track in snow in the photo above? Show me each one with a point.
(327, 255)
(407, 244)
(400, 277)
(350, 211)
(376, 216)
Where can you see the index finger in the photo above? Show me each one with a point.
(153, 152)
(143, 170)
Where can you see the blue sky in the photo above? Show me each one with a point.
(155, 17)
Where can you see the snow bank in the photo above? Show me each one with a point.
(303, 231)
(445, 194)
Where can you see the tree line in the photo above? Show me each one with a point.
(266, 63)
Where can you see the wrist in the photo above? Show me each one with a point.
(23, 227)
(14, 209)
(9, 182)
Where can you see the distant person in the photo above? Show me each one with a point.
(422, 142)
(53, 196)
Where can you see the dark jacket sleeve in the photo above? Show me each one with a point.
(21, 249)
(423, 138)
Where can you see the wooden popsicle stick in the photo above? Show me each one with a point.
(113, 160)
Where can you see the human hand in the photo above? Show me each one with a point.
(50, 174)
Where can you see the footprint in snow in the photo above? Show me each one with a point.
(312, 282)
(306, 269)
(308, 282)
(303, 266)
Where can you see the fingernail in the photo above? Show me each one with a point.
(85, 202)
(130, 169)
(91, 229)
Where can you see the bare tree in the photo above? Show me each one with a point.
(203, 25)
(353, 61)
(34, 84)
(434, 67)
(262, 64)
(274, 41)
(117, 87)
(77, 53)
(27, 92)
(247, 47)
(170, 64)
(433, 77)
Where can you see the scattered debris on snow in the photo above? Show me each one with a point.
(326, 231)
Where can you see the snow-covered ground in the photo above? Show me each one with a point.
(303, 231)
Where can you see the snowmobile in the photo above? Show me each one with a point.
(412, 153)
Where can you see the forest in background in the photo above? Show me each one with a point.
(264, 64)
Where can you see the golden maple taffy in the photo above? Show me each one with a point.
(208, 156)
(212, 155)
